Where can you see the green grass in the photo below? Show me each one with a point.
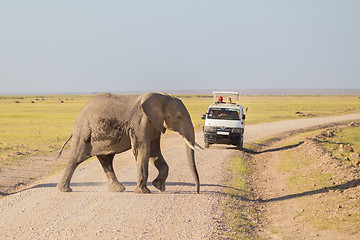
(347, 136)
(36, 128)
(275, 108)
(238, 215)
(304, 175)
(196, 106)
(238, 182)
(263, 109)
(321, 210)
(347, 218)
(336, 213)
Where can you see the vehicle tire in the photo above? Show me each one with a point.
(207, 144)
(241, 143)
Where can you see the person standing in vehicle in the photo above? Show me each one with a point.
(229, 100)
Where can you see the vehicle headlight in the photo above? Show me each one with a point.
(209, 129)
(237, 130)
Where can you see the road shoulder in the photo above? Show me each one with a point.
(301, 191)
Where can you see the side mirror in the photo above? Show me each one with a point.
(203, 116)
(243, 117)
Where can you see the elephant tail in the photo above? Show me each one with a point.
(62, 148)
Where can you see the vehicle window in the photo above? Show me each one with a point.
(224, 113)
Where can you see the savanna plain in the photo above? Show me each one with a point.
(301, 184)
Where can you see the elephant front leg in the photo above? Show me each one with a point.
(163, 168)
(107, 163)
(158, 160)
(142, 159)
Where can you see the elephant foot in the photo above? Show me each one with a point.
(142, 190)
(159, 184)
(116, 187)
(64, 188)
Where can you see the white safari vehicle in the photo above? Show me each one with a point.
(224, 120)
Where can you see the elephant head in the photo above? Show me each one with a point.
(166, 112)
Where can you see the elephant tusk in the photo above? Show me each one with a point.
(189, 144)
(197, 145)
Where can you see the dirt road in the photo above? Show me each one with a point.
(91, 212)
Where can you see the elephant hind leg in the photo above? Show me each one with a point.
(64, 183)
(74, 161)
(79, 152)
(107, 163)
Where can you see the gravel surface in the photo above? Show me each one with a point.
(91, 212)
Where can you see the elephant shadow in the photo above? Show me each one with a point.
(209, 187)
(96, 184)
(215, 189)
(133, 184)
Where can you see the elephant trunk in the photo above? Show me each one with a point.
(191, 160)
(190, 146)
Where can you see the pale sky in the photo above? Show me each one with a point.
(114, 45)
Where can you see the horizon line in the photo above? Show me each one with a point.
(264, 91)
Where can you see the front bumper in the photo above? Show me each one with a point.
(223, 135)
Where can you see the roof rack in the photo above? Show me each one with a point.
(222, 93)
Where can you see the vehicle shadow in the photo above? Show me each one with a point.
(249, 196)
(252, 151)
(349, 184)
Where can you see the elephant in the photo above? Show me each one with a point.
(110, 124)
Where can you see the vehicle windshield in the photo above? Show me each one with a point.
(224, 113)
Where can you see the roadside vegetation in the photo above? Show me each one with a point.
(32, 125)
(320, 172)
(239, 218)
(343, 143)
(330, 176)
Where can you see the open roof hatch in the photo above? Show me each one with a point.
(225, 93)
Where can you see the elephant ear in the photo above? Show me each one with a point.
(153, 105)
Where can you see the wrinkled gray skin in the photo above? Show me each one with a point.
(111, 124)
